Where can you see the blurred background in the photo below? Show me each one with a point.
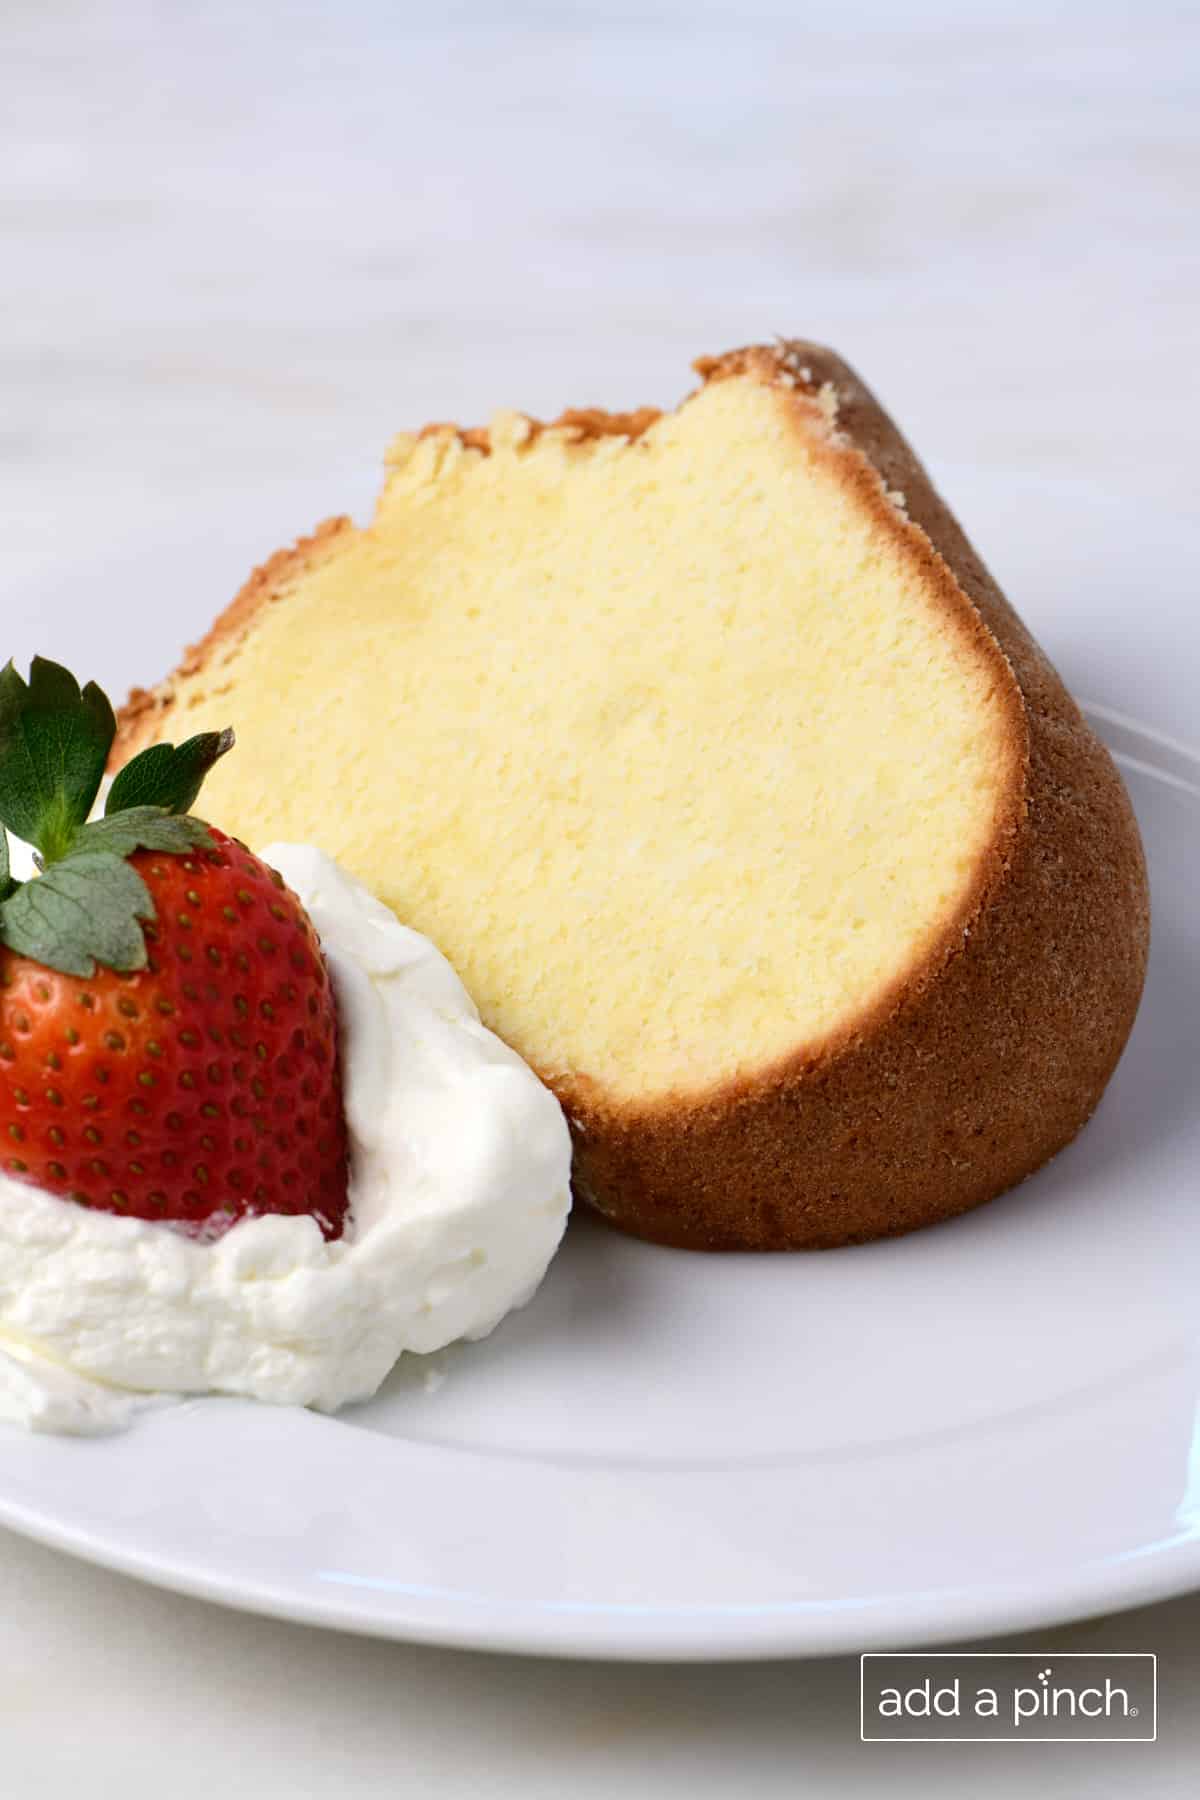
(241, 245)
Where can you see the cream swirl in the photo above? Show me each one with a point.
(459, 1193)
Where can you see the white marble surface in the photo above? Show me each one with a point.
(240, 246)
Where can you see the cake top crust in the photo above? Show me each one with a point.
(642, 675)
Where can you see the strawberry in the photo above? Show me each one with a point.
(168, 1037)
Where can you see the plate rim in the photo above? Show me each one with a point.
(706, 1632)
(749, 1633)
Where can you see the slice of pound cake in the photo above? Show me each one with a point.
(745, 806)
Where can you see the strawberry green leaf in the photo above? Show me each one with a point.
(143, 828)
(86, 909)
(6, 881)
(54, 743)
(166, 775)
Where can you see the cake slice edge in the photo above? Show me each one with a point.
(976, 1065)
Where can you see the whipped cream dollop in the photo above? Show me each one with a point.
(459, 1193)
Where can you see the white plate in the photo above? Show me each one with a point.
(984, 1426)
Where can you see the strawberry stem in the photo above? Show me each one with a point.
(88, 904)
(54, 743)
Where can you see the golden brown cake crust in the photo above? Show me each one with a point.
(984, 1059)
(139, 718)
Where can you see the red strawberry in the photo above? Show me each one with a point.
(168, 1038)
